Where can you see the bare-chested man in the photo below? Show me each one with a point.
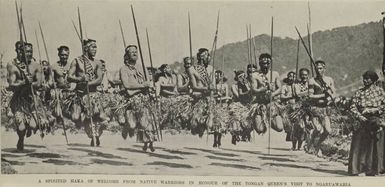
(86, 71)
(166, 85)
(264, 88)
(24, 76)
(183, 78)
(202, 81)
(322, 92)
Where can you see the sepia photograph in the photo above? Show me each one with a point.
(220, 89)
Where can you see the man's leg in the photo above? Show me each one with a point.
(219, 139)
(215, 139)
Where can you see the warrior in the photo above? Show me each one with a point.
(238, 108)
(166, 85)
(60, 72)
(205, 116)
(264, 88)
(24, 77)
(301, 94)
(138, 109)
(86, 71)
(183, 100)
(322, 91)
(166, 92)
(183, 78)
(288, 100)
(222, 88)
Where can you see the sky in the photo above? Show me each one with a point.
(167, 24)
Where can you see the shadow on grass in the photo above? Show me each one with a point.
(62, 162)
(172, 151)
(213, 152)
(44, 155)
(111, 162)
(9, 155)
(78, 145)
(242, 151)
(276, 159)
(225, 159)
(150, 153)
(14, 150)
(34, 146)
(12, 162)
(337, 172)
(97, 153)
(237, 166)
(171, 165)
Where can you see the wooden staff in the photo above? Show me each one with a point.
(271, 80)
(297, 62)
(248, 44)
(93, 128)
(138, 40)
(156, 125)
(189, 37)
(310, 51)
(77, 32)
(53, 78)
(121, 31)
(383, 58)
(213, 50)
(22, 23)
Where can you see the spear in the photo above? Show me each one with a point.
(383, 59)
(22, 23)
(51, 74)
(254, 51)
(93, 128)
(138, 40)
(18, 22)
(251, 50)
(310, 50)
(271, 78)
(213, 72)
(189, 36)
(121, 31)
(248, 44)
(296, 65)
(157, 127)
(38, 47)
(76, 30)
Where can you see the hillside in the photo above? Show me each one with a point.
(348, 52)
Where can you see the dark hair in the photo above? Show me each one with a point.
(200, 51)
(162, 67)
(185, 59)
(264, 55)
(28, 44)
(219, 72)
(237, 73)
(320, 62)
(18, 44)
(371, 75)
(252, 66)
(63, 47)
(290, 72)
(85, 42)
(304, 69)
